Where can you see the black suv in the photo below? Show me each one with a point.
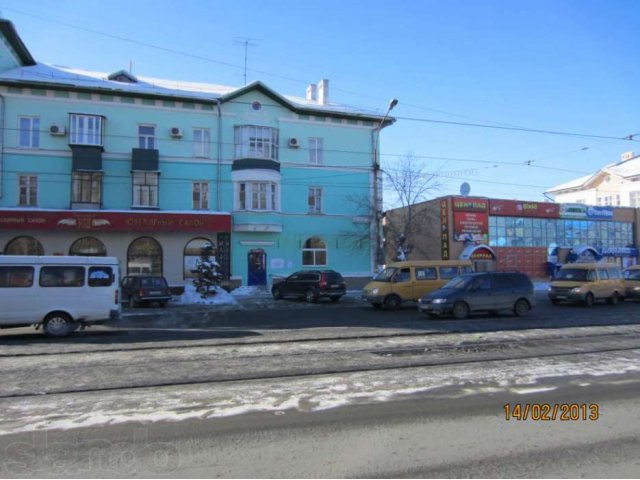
(140, 289)
(481, 292)
(311, 285)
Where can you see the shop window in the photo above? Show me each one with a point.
(144, 257)
(314, 252)
(192, 254)
(24, 246)
(88, 247)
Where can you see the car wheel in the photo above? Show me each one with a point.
(58, 325)
(521, 308)
(392, 302)
(335, 298)
(589, 300)
(613, 299)
(277, 293)
(310, 296)
(460, 310)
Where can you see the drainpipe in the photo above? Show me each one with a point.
(219, 160)
(1, 143)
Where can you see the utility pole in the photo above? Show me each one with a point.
(246, 42)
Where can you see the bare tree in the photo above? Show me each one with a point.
(408, 186)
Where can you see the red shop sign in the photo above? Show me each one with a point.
(516, 208)
(105, 221)
(470, 204)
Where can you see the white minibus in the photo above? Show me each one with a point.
(58, 292)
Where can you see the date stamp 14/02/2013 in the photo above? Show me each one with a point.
(565, 412)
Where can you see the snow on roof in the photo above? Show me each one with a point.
(76, 77)
(577, 183)
(626, 169)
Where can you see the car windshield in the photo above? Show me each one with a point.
(632, 275)
(458, 282)
(572, 274)
(385, 275)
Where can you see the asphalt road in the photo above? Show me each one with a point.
(426, 436)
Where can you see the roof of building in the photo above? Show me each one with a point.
(625, 169)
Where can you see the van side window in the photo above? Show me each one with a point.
(426, 273)
(403, 275)
(100, 276)
(448, 272)
(62, 276)
(614, 273)
(16, 277)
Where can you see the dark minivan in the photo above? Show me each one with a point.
(481, 292)
(311, 285)
(141, 289)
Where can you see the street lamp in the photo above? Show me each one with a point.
(377, 189)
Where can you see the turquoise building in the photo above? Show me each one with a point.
(148, 170)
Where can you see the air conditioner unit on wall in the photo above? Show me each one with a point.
(57, 130)
(293, 142)
(176, 132)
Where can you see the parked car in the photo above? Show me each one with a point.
(408, 281)
(145, 289)
(311, 285)
(481, 292)
(586, 283)
(632, 282)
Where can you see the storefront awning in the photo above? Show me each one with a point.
(478, 252)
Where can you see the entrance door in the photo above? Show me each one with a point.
(257, 263)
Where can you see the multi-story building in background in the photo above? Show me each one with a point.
(149, 170)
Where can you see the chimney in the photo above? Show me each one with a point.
(312, 93)
(627, 156)
(323, 91)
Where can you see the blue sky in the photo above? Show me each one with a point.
(568, 66)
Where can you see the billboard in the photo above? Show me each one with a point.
(517, 208)
(471, 227)
(469, 204)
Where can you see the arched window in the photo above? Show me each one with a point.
(192, 254)
(314, 252)
(24, 246)
(144, 257)
(88, 247)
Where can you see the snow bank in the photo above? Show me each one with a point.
(191, 297)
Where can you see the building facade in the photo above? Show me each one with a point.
(149, 170)
(531, 237)
(617, 184)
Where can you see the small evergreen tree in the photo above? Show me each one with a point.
(208, 278)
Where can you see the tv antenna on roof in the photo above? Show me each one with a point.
(246, 42)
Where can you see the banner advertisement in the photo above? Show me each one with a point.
(470, 204)
(471, 227)
(515, 208)
(581, 211)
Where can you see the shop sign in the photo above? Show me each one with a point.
(481, 253)
(444, 230)
(600, 212)
(470, 204)
(471, 227)
(579, 210)
(515, 208)
(619, 252)
(72, 220)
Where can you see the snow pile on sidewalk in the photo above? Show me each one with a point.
(251, 291)
(191, 297)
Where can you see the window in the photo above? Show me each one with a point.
(16, 277)
(192, 253)
(144, 257)
(448, 272)
(257, 196)
(634, 199)
(101, 276)
(145, 189)
(402, 275)
(88, 247)
(24, 246)
(315, 151)
(314, 252)
(85, 129)
(29, 132)
(426, 273)
(256, 142)
(147, 137)
(28, 190)
(201, 142)
(315, 200)
(86, 187)
(62, 276)
(200, 195)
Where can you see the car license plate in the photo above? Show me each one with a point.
(155, 292)
(335, 286)
(561, 297)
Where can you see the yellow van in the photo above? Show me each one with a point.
(632, 282)
(408, 281)
(586, 283)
